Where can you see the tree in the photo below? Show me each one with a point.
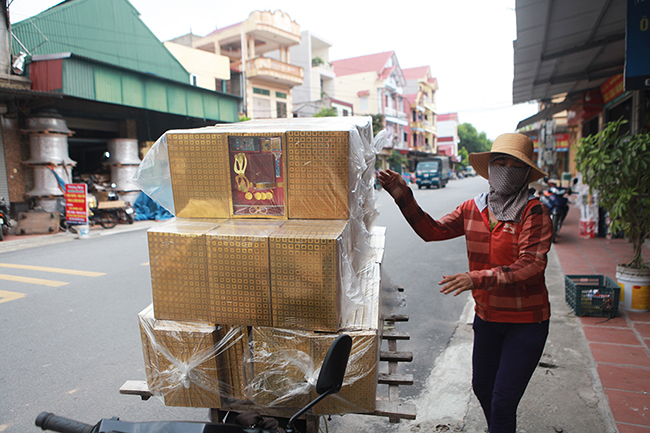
(471, 140)
(377, 123)
(464, 157)
(326, 112)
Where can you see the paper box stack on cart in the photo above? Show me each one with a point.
(272, 253)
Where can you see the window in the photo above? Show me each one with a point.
(281, 95)
(363, 103)
(346, 112)
(194, 79)
(281, 108)
(259, 91)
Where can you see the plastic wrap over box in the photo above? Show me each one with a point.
(316, 168)
(193, 364)
(178, 265)
(313, 285)
(285, 363)
(279, 273)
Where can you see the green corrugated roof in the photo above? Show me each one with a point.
(109, 31)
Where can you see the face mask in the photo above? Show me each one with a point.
(507, 180)
(508, 194)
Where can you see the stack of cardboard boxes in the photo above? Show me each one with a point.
(272, 254)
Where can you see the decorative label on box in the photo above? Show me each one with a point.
(257, 175)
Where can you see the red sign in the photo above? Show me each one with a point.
(535, 144)
(76, 210)
(561, 142)
(612, 88)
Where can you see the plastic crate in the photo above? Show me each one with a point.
(592, 295)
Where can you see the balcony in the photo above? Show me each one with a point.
(274, 71)
(428, 104)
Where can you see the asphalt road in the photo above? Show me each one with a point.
(69, 340)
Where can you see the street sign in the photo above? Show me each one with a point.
(637, 45)
(76, 209)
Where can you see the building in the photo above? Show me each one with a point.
(420, 91)
(448, 135)
(95, 65)
(374, 84)
(576, 73)
(259, 50)
(318, 87)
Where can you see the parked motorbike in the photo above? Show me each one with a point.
(556, 198)
(5, 221)
(329, 382)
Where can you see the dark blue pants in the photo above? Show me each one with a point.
(504, 359)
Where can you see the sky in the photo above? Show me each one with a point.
(466, 43)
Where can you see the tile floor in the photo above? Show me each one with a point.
(619, 346)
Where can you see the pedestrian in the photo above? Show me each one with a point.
(508, 235)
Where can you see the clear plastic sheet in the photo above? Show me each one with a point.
(245, 202)
(192, 364)
(199, 365)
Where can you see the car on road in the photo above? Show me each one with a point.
(469, 171)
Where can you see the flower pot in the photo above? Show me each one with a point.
(635, 289)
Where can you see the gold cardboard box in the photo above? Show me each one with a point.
(317, 168)
(359, 391)
(260, 171)
(239, 277)
(286, 365)
(307, 270)
(280, 368)
(231, 350)
(169, 347)
(197, 164)
(178, 264)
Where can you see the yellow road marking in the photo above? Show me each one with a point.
(53, 270)
(38, 281)
(144, 264)
(9, 296)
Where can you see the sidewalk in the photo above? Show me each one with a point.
(618, 346)
(14, 242)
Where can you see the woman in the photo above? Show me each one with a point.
(508, 234)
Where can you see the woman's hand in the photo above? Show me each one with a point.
(456, 283)
(392, 182)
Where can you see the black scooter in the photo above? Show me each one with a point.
(329, 382)
(5, 221)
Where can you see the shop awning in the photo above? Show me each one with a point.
(566, 46)
(548, 112)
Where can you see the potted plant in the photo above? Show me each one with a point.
(618, 167)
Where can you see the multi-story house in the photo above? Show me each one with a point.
(420, 90)
(374, 84)
(259, 49)
(447, 127)
(207, 70)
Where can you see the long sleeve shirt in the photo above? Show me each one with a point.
(506, 264)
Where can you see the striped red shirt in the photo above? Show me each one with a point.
(506, 264)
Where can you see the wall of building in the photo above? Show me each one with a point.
(348, 87)
(205, 65)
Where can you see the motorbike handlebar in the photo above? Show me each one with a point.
(49, 421)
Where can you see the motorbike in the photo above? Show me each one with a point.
(5, 221)
(556, 198)
(330, 380)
